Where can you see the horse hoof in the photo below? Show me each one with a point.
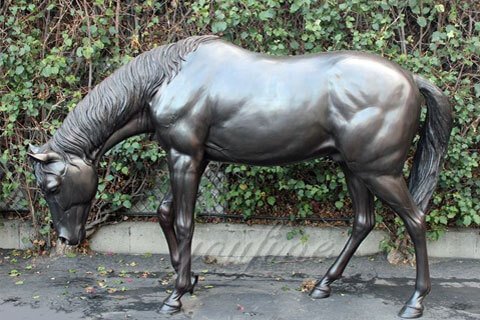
(193, 281)
(168, 309)
(321, 292)
(410, 312)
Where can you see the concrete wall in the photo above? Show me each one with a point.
(233, 242)
(459, 243)
(15, 234)
(240, 243)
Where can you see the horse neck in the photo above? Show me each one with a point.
(115, 109)
(138, 124)
(101, 120)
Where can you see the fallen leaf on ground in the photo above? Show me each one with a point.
(14, 273)
(90, 290)
(209, 260)
(308, 285)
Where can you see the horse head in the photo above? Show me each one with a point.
(69, 185)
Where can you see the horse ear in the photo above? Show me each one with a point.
(42, 157)
(39, 157)
(33, 149)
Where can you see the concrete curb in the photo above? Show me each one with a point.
(240, 243)
(15, 234)
(231, 242)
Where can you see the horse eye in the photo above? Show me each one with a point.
(53, 190)
(52, 185)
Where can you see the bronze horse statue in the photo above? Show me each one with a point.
(209, 100)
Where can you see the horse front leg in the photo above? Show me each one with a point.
(166, 217)
(185, 173)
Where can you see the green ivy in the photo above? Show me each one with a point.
(54, 51)
(437, 39)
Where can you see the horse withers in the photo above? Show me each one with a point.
(209, 100)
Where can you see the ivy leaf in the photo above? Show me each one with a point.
(79, 52)
(476, 219)
(440, 8)
(46, 72)
(87, 52)
(266, 15)
(219, 26)
(127, 204)
(339, 204)
(271, 200)
(19, 69)
(443, 220)
(476, 88)
(294, 45)
(294, 7)
(422, 22)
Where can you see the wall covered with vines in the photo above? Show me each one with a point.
(54, 52)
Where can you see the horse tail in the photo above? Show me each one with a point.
(432, 146)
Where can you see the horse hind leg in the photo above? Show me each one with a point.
(364, 222)
(393, 190)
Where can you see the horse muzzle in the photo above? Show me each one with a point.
(71, 238)
(71, 228)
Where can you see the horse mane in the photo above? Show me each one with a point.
(117, 98)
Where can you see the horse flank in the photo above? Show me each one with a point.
(119, 97)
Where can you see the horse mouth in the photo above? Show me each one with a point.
(66, 241)
(71, 239)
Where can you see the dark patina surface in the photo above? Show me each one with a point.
(208, 100)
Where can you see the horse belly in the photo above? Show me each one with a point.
(278, 142)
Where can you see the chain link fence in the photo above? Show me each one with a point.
(213, 183)
(211, 201)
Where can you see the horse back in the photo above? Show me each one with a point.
(254, 108)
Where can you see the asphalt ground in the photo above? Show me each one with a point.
(114, 286)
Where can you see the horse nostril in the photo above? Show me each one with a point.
(63, 240)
